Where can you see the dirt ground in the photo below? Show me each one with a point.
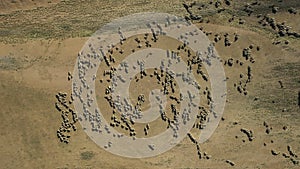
(39, 44)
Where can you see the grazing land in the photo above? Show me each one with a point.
(260, 126)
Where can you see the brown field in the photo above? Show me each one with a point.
(39, 43)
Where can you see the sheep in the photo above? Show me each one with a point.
(249, 133)
(275, 153)
(230, 162)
